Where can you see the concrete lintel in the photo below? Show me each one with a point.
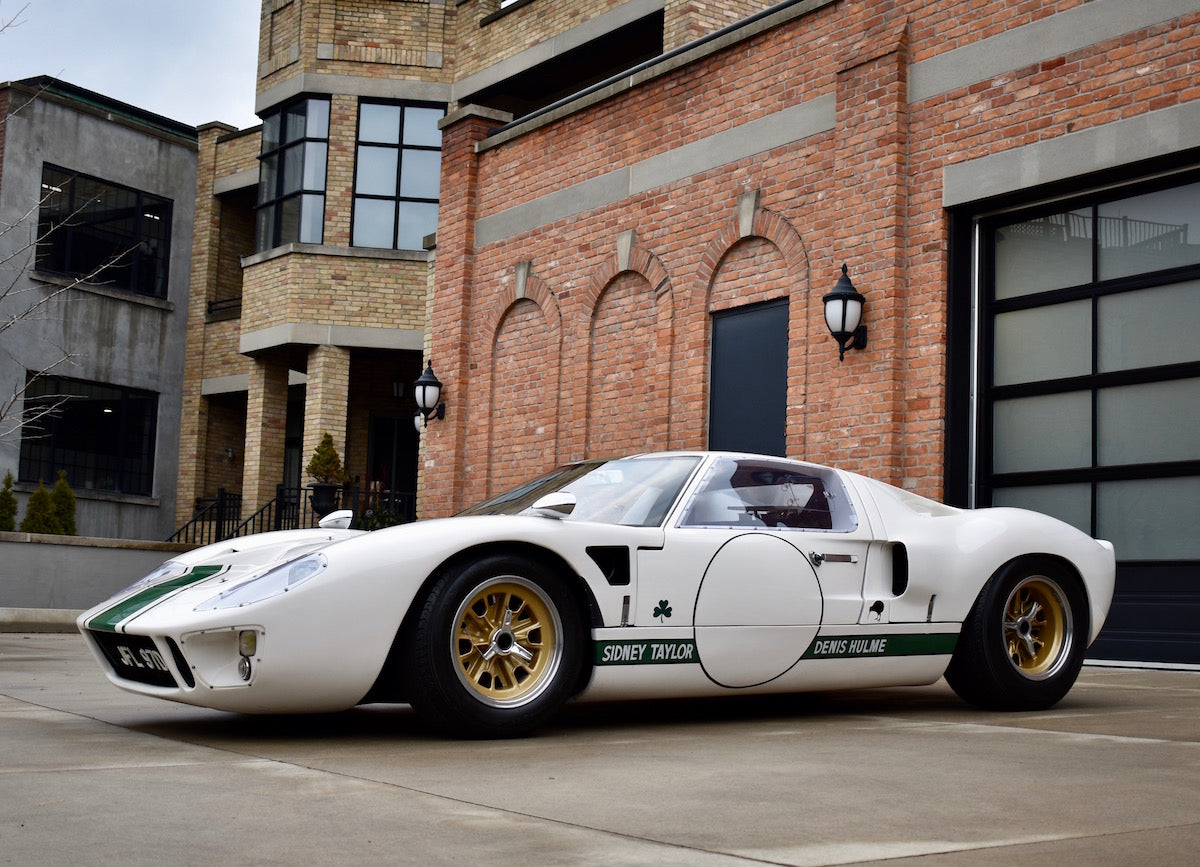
(1072, 30)
(350, 85)
(317, 334)
(238, 181)
(331, 250)
(521, 276)
(1154, 134)
(472, 110)
(595, 193)
(625, 242)
(225, 384)
(747, 207)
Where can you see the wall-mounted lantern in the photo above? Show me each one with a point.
(843, 313)
(428, 392)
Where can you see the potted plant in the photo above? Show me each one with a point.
(328, 475)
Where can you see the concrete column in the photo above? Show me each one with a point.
(325, 400)
(266, 422)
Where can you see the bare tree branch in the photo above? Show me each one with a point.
(12, 295)
(14, 21)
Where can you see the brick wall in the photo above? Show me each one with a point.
(525, 381)
(477, 47)
(366, 38)
(326, 399)
(193, 443)
(237, 152)
(266, 426)
(226, 430)
(329, 289)
(867, 193)
(687, 20)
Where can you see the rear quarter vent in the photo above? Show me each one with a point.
(899, 569)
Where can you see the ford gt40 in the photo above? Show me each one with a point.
(658, 575)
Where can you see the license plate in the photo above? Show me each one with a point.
(135, 657)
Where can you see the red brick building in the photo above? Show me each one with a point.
(641, 205)
(591, 255)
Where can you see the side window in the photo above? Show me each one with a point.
(397, 175)
(291, 175)
(750, 493)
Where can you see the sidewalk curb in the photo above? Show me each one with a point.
(38, 619)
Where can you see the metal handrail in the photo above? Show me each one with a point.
(219, 519)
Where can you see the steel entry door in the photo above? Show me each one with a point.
(748, 400)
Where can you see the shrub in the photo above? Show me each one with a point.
(8, 505)
(39, 513)
(62, 499)
(325, 465)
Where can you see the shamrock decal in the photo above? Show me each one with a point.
(662, 610)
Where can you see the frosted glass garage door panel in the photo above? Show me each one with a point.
(1044, 343)
(1136, 328)
(1144, 424)
(1047, 253)
(1069, 503)
(1150, 519)
(1052, 432)
(1149, 232)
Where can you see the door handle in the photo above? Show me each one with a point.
(818, 558)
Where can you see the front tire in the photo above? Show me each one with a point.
(1022, 644)
(497, 649)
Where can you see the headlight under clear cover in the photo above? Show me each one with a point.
(279, 580)
(169, 569)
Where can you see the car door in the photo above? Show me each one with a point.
(763, 554)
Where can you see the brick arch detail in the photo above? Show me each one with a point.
(778, 232)
(646, 265)
(641, 261)
(768, 226)
(538, 293)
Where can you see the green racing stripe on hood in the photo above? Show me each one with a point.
(108, 619)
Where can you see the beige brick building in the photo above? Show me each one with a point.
(310, 268)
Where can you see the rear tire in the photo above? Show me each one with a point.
(1022, 644)
(497, 649)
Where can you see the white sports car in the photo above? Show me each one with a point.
(659, 575)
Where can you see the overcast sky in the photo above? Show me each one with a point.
(189, 60)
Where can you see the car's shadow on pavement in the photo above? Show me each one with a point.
(398, 721)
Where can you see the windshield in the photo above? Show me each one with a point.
(634, 492)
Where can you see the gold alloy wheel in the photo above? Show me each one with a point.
(1038, 627)
(507, 640)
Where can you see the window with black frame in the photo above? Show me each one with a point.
(398, 164)
(103, 233)
(102, 435)
(1094, 408)
(291, 174)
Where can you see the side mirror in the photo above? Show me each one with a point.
(556, 505)
(339, 520)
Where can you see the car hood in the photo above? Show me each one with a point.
(223, 563)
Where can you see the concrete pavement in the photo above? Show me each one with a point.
(91, 774)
